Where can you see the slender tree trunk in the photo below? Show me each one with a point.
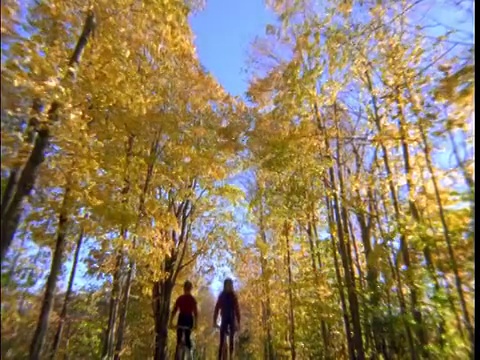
(172, 266)
(386, 349)
(29, 137)
(396, 276)
(448, 241)
(317, 240)
(397, 348)
(363, 301)
(13, 212)
(421, 331)
(124, 310)
(469, 180)
(68, 294)
(131, 269)
(162, 293)
(266, 306)
(404, 246)
(431, 269)
(116, 286)
(47, 305)
(9, 190)
(323, 326)
(356, 253)
(347, 264)
(353, 343)
(113, 308)
(26, 180)
(344, 246)
(471, 184)
(291, 314)
(374, 328)
(29, 281)
(13, 265)
(346, 321)
(460, 163)
(372, 277)
(66, 355)
(453, 307)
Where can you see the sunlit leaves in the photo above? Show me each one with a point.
(149, 143)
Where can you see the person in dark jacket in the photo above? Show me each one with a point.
(227, 305)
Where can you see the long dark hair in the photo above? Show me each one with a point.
(228, 283)
(228, 290)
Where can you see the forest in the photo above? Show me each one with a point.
(337, 191)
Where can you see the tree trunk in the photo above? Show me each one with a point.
(431, 269)
(404, 247)
(116, 286)
(268, 351)
(372, 277)
(446, 232)
(68, 294)
(344, 247)
(26, 180)
(291, 314)
(323, 326)
(47, 305)
(466, 175)
(113, 308)
(351, 342)
(421, 332)
(356, 253)
(350, 280)
(13, 265)
(9, 190)
(162, 293)
(363, 301)
(397, 278)
(371, 333)
(13, 213)
(29, 137)
(124, 311)
(141, 212)
(29, 281)
(352, 297)
(448, 241)
(346, 321)
(66, 355)
(172, 266)
(266, 304)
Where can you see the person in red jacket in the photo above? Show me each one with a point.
(187, 317)
(227, 305)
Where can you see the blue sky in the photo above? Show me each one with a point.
(224, 31)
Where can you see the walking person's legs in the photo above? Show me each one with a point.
(179, 341)
(188, 343)
(230, 341)
(222, 342)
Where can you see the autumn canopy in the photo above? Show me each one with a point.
(338, 190)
